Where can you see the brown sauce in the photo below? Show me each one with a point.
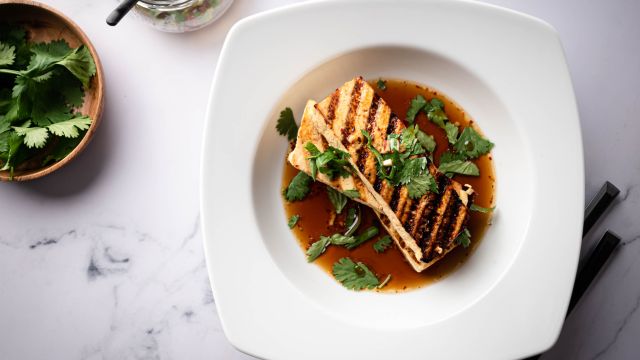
(316, 210)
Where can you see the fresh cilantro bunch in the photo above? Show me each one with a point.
(41, 87)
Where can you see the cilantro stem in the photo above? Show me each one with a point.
(9, 71)
(366, 235)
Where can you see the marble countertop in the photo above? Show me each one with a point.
(103, 260)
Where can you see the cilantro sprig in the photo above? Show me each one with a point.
(464, 238)
(354, 276)
(299, 187)
(382, 244)
(286, 124)
(349, 241)
(41, 89)
(332, 162)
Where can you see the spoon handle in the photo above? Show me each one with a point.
(122, 9)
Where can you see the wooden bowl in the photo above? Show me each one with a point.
(44, 23)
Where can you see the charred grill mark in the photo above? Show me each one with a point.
(431, 212)
(363, 154)
(349, 127)
(373, 111)
(394, 121)
(442, 237)
(428, 235)
(331, 111)
(414, 215)
(407, 215)
(395, 198)
(377, 186)
(446, 234)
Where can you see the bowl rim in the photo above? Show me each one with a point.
(75, 28)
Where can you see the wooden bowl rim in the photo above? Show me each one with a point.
(99, 95)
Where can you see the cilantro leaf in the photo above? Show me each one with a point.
(420, 185)
(80, 63)
(463, 238)
(10, 143)
(452, 132)
(459, 167)
(338, 200)
(411, 169)
(417, 104)
(293, 220)
(339, 239)
(481, 209)
(286, 124)
(332, 162)
(33, 136)
(381, 84)
(299, 187)
(69, 128)
(366, 235)
(471, 144)
(426, 141)
(354, 276)
(352, 193)
(317, 248)
(382, 244)
(7, 54)
(449, 157)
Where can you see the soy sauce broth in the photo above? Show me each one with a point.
(317, 215)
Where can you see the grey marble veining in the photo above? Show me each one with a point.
(104, 260)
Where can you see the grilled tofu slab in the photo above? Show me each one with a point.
(424, 229)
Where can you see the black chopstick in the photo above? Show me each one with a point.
(592, 266)
(598, 205)
(603, 250)
(595, 261)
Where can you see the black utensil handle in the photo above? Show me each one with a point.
(592, 266)
(122, 10)
(598, 205)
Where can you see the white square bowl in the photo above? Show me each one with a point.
(507, 70)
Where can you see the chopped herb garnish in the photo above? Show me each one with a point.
(464, 238)
(427, 141)
(382, 244)
(452, 132)
(317, 248)
(286, 124)
(332, 162)
(381, 84)
(459, 167)
(418, 103)
(435, 112)
(354, 276)
(481, 209)
(471, 144)
(293, 220)
(299, 187)
(338, 199)
(369, 233)
(422, 184)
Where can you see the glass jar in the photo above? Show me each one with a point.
(180, 15)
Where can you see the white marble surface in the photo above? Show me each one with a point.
(103, 260)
